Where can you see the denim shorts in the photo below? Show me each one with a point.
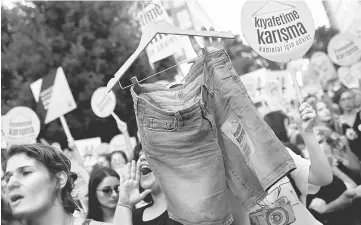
(194, 152)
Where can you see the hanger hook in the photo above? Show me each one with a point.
(146, 3)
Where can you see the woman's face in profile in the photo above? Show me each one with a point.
(30, 188)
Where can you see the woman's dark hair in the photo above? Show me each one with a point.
(136, 151)
(275, 121)
(119, 152)
(55, 161)
(339, 99)
(96, 177)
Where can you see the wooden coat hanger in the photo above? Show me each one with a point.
(149, 32)
(268, 1)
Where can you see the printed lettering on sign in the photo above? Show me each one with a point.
(344, 50)
(22, 126)
(279, 32)
(162, 45)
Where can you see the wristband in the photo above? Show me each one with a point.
(126, 206)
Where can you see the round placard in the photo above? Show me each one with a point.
(276, 30)
(102, 102)
(22, 126)
(347, 78)
(344, 50)
(323, 65)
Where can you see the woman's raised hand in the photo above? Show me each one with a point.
(129, 194)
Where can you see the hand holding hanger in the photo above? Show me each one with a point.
(211, 43)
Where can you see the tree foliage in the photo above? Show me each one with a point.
(90, 40)
(323, 36)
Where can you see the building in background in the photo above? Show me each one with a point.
(343, 14)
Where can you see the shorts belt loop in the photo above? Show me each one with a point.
(179, 119)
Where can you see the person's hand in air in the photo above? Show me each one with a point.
(129, 194)
(306, 119)
(209, 43)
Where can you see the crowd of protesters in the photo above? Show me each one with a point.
(338, 131)
(324, 139)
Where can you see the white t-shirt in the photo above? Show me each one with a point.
(282, 205)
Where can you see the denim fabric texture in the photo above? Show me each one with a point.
(204, 137)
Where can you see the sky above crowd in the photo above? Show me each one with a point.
(226, 14)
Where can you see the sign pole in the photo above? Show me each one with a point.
(66, 128)
(124, 131)
(296, 86)
(115, 117)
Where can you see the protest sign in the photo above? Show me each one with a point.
(251, 81)
(86, 148)
(21, 126)
(311, 81)
(53, 95)
(322, 64)
(103, 148)
(102, 102)
(279, 31)
(276, 30)
(347, 78)
(344, 50)
(118, 143)
(162, 45)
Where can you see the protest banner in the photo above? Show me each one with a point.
(347, 78)
(279, 31)
(21, 126)
(102, 102)
(162, 46)
(344, 50)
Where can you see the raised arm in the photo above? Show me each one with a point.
(320, 170)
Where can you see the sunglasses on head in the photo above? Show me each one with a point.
(108, 190)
